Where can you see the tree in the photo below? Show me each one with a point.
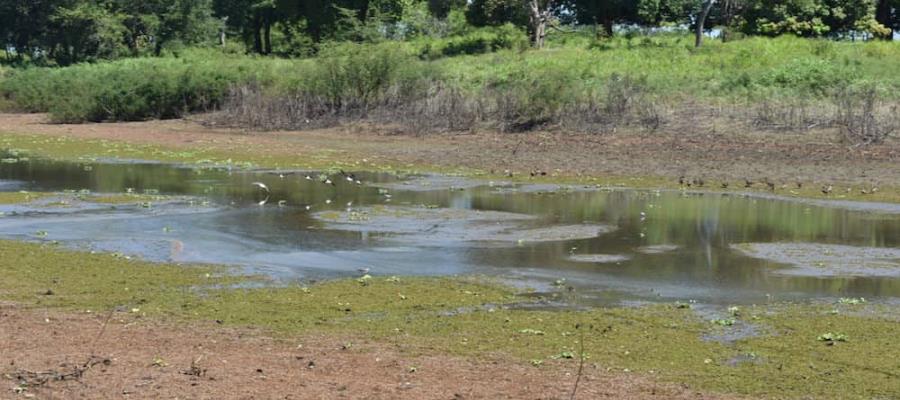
(540, 16)
(440, 9)
(701, 21)
(810, 18)
(24, 24)
(605, 13)
(887, 13)
(497, 12)
(83, 31)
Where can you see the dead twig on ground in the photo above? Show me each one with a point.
(27, 378)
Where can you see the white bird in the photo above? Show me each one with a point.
(328, 201)
(261, 186)
(364, 270)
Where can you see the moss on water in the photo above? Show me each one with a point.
(123, 198)
(20, 197)
(471, 317)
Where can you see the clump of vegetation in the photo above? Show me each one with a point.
(132, 89)
(20, 197)
(477, 41)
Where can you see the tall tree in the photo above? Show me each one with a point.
(810, 18)
(887, 13)
(701, 22)
(605, 13)
(540, 16)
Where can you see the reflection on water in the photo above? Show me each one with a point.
(225, 225)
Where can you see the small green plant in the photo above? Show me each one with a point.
(724, 321)
(832, 337)
(364, 280)
(852, 300)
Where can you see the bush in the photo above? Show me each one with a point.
(812, 75)
(130, 90)
(360, 76)
(480, 41)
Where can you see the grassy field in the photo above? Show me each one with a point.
(626, 79)
(790, 356)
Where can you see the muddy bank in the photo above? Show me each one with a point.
(599, 258)
(813, 259)
(709, 151)
(424, 225)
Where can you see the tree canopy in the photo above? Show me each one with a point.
(70, 31)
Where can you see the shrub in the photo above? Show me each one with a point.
(480, 41)
(129, 90)
(815, 76)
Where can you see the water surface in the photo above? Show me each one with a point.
(654, 246)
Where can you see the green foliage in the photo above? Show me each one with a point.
(478, 41)
(809, 18)
(815, 75)
(497, 12)
(528, 87)
(132, 89)
(357, 76)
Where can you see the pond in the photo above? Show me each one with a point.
(609, 245)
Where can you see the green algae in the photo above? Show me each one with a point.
(21, 197)
(475, 317)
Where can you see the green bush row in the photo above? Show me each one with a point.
(534, 83)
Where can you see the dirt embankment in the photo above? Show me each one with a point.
(703, 151)
(141, 359)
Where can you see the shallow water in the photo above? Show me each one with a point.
(639, 246)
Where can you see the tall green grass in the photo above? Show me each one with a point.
(524, 87)
(135, 89)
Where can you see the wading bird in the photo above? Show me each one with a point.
(261, 186)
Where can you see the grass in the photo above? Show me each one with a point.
(134, 89)
(20, 197)
(465, 316)
(573, 73)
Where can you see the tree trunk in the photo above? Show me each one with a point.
(539, 18)
(608, 26)
(257, 34)
(268, 36)
(883, 14)
(701, 21)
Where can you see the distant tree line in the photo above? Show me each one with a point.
(70, 31)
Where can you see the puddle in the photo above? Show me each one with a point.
(630, 246)
(814, 259)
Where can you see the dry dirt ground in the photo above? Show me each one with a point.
(704, 150)
(146, 359)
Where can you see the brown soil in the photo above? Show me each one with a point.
(698, 150)
(146, 359)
